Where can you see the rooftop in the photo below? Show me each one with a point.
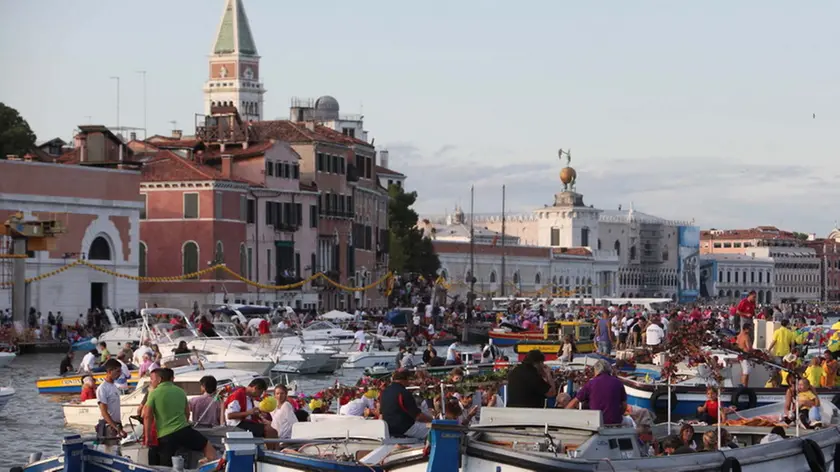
(385, 171)
(759, 232)
(166, 166)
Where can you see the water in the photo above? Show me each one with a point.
(31, 422)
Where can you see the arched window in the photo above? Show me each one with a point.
(599, 244)
(632, 252)
(537, 279)
(189, 258)
(100, 249)
(243, 261)
(219, 255)
(617, 247)
(516, 277)
(141, 271)
(468, 277)
(493, 277)
(665, 254)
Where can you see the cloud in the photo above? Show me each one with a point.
(714, 191)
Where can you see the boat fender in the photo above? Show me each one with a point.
(730, 464)
(661, 394)
(752, 399)
(814, 455)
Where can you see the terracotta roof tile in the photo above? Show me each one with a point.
(167, 166)
(70, 157)
(296, 132)
(386, 171)
(252, 150)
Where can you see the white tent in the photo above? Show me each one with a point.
(337, 315)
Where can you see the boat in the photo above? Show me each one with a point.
(84, 344)
(6, 358)
(553, 331)
(512, 439)
(370, 358)
(524, 439)
(187, 377)
(73, 383)
(687, 391)
(6, 394)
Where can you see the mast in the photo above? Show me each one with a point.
(503, 242)
(471, 295)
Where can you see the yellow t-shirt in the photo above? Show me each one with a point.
(783, 338)
(784, 375)
(814, 375)
(806, 396)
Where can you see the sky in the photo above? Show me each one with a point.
(725, 113)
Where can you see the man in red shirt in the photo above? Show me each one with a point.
(745, 309)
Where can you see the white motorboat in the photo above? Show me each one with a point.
(367, 358)
(6, 358)
(324, 330)
(233, 352)
(6, 394)
(86, 413)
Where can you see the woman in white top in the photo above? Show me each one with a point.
(283, 417)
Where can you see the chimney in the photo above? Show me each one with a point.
(383, 158)
(227, 166)
(176, 133)
(133, 136)
(310, 125)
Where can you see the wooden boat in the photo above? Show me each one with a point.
(73, 383)
(550, 341)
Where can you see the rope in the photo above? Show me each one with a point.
(387, 278)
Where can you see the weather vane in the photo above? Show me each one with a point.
(568, 154)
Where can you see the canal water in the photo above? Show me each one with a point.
(35, 423)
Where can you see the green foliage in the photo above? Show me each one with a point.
(410, 252)
(800, 236)
(16, 138)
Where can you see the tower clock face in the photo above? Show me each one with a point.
(249, 73)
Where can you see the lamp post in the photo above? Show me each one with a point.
(143, 74)
(118, 100)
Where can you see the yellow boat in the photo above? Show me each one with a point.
(73, 383)
(554, 332)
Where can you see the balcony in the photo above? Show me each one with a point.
(286, 227)
(283, 280)
(329, 213)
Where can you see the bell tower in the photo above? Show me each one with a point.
(235, 66)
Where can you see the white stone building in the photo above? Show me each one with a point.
(729, 276)
(634, 254)
(797, 271)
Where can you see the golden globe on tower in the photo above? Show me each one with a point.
(568, 175)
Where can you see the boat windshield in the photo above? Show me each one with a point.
(320, 325)
(584, 332)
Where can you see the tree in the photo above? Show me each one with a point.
(410, 252)
(16, 138)
(801, 236)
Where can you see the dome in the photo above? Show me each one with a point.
(567, 175)
(326, 103)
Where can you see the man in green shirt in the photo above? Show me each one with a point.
(169, 407)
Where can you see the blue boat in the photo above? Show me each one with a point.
(84, 344)
(685, 399)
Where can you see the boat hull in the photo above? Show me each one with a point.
(6, 394)
(260, 367)
(512, 339)
(688, 399)
(73, 383)
(364, 360)
(6, 358)
(551, 349)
